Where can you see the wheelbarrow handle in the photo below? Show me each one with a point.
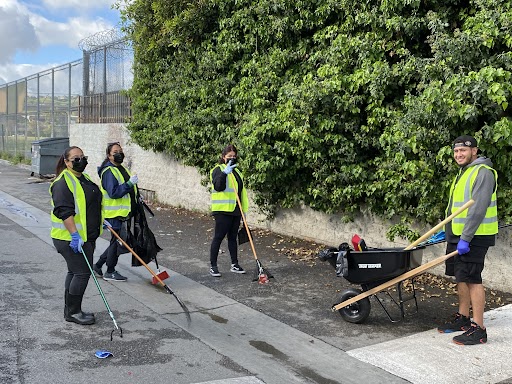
(407, 275)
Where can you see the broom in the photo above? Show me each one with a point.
(167, 288)
(261, 274)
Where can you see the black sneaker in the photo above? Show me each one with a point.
(214, 271)
(474, 335)
(457, 324)
(114, 276)
(237, 269)
(97, 270)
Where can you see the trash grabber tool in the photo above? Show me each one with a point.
(146, 207)
(468, 204)
(104, 299)
(169, 290)
(262, 274)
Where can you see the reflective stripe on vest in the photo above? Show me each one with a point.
(225, 201)
(122, 206)
(59, 230)
(462, 191)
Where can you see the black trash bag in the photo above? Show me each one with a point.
(125, 233)
(328, 254)
(341, 260)
(243, 236)
(145, 245)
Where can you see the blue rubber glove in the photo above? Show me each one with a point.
(462, 247)
(76, 242)
(229, 168)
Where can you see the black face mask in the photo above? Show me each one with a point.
(118, 157)
(232, 159)
(79, 166)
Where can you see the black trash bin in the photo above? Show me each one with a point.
(46, 153)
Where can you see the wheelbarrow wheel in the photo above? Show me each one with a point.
(356, 312)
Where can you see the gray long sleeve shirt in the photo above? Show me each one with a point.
(483, 189)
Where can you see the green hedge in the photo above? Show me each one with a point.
(340, 105)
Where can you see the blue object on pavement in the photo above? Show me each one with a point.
(102, 354)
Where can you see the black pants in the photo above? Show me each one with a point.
(225, 225)
(79, 273)
(110, 256)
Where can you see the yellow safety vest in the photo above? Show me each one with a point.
(58, 230)
(122, 206)
(225, 201)
(462, 191)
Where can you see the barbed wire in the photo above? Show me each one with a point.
(101, 39)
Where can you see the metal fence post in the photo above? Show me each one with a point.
(38, 109)
(104, 104)
(16, 118)
(53, 103)
(69, 97)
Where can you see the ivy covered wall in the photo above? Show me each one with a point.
(338, 104)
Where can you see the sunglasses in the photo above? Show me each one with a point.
(77, 159)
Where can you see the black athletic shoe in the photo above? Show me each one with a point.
(474, 335)
(457, 324)
(214, 271)
(97, 270)
(236, 268)
(114, 276)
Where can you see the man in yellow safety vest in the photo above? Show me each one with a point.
(471, 233)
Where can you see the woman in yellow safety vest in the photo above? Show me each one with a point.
(76, 224)
(120, 194)
(227, 181)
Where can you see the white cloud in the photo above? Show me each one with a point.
(69, 33)
(74, 4)
(16, 30)
(10, 72)
(28, 26)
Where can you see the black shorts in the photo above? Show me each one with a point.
(466, 268)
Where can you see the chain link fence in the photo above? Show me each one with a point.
(107, 72)
(88, 90)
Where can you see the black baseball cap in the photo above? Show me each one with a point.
(465, 141)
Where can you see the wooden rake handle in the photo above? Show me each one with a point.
(135, 254)
(243, 217)
(468, 204)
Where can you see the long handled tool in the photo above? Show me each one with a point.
(440, 237)
(468, 204)
(413, 272)
(104, 299)
(262, 274)
(169, 290)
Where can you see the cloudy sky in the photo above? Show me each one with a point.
(40, 34)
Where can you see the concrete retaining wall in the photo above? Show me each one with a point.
(178, 185)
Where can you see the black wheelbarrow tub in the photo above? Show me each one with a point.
(384, 264)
